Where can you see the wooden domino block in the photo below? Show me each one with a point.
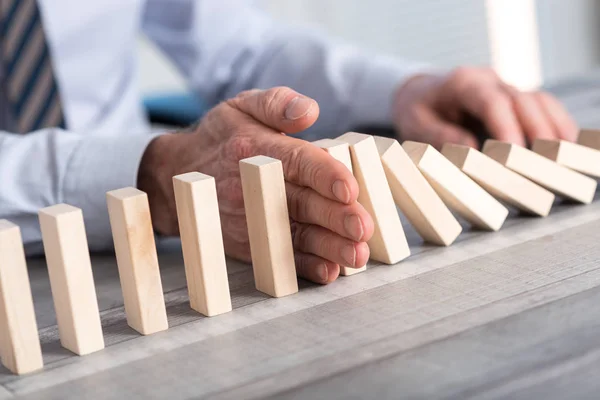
(268, 226)
(547, 173)
(415, 197)
(500, 181)
(456, 189)
(572, 155)
(341, 152)
(589, 138)
(71, 279)
(388, 244)
(202, 243)
(19, 341)
(137, 260)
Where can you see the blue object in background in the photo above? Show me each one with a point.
(178, 109)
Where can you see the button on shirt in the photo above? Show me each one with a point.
(221, 47)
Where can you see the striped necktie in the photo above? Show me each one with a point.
(29, 83)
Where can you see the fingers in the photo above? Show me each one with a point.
(532, 117)
(309, 166)
(494, 108)
(328, 245)
(280, 108)
(434, 130)
(564, 126)
(316, 269)
(350, 221)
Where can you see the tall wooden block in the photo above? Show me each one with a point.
(137, 260)
(456, 189)
(572, 155)
(589, 138)
(71, 279)
(19, 341)
(415, 197)
(500, 181)
(552, 176)
(341, 152)
(268, 226)
(202, 243)
(388, 244)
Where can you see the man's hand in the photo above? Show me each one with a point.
(329, 227)
(431, 109)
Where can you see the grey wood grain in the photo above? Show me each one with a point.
(540, 353)
(460, 296)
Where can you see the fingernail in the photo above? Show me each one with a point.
(322, 272)
(349, 255)
(298, 108)
(353, 226)
(340, 191)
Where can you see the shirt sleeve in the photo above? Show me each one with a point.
(53, 166)
(227, 46)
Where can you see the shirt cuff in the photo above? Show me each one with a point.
(377, 87)
(98, 165)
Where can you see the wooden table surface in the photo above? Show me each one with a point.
(505, 315)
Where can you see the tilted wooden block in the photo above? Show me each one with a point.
(202, 243)
(388, 244)
(589, 138)
(415, 197)
(19, 341)
(456, 189)
(572, 155)
(341, 152)
(500, 181)
(137, 260)
(268, 226)
(541, 170)
(71, 279)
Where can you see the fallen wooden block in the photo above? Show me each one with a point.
(589, 138)
(19, 341)
(341, 152)
(388, 243)
(572, 155)
(268, 226)
(547, 173)
(415, 197)
(137, 260)
(457, 190)
(202, 243)
(71, 279)
(500, 181)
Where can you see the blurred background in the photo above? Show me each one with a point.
(529, 42)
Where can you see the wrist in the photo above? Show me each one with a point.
(155, 178)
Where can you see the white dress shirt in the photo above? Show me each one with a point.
(221, 47)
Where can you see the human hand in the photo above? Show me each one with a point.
(430, 108)
(329, 227)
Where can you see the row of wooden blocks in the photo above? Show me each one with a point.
(425, 184)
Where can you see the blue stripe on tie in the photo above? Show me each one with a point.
(33, 22)
(10, 14)
(31, 81)
(44, 110)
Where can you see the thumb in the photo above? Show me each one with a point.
(280, 108)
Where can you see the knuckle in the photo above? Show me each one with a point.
(241, 146)
(273, 98)
(301, 265)
(491, 105)
(461, 74)
(301, 237)
(295, 164)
